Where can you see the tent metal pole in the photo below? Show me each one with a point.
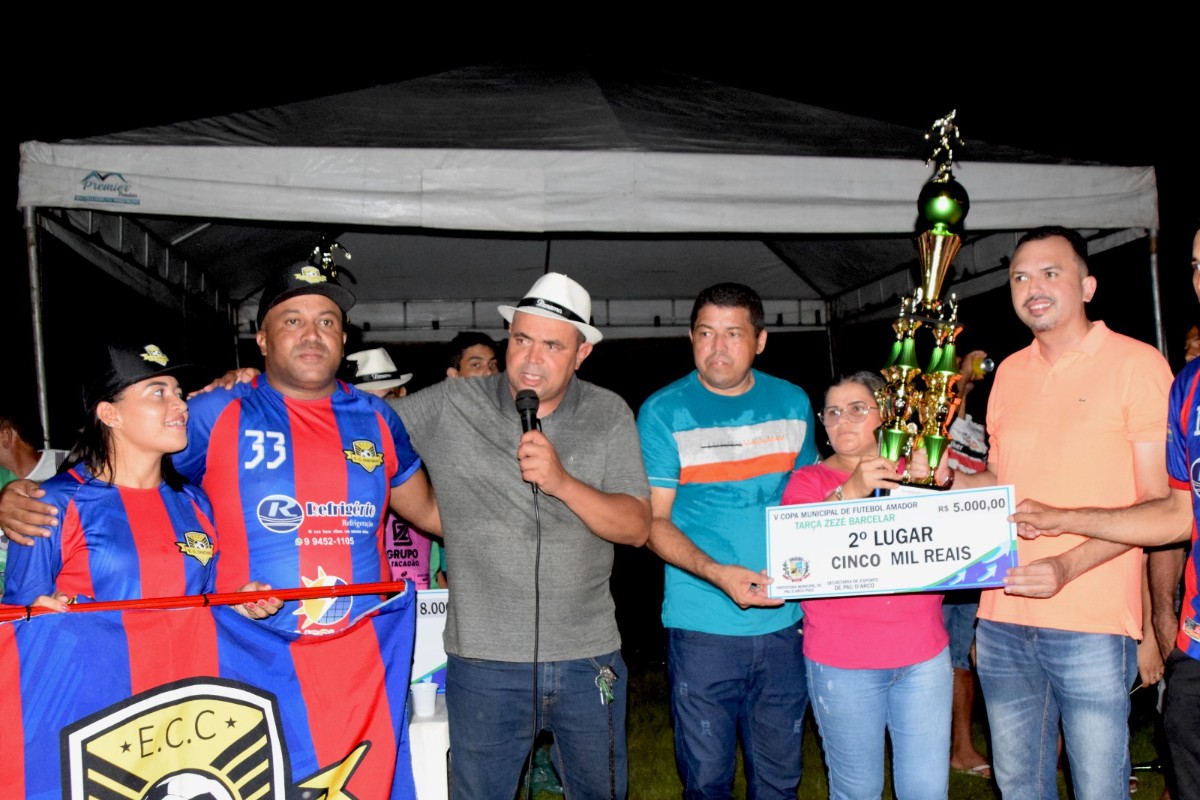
(237, 346)
(833, 359)
(1157, 298)
(35, 307)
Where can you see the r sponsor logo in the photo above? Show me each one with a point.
(279, 513)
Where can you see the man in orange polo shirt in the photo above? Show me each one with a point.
(1078, 418)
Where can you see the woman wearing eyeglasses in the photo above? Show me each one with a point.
(877, 662)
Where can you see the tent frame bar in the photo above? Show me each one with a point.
(1159, 332)
(29, 221)
(136, 257)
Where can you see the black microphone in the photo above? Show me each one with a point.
(527, 406)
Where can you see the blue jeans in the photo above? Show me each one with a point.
(854, 706)
(490, 705)
(1032, 677)
(725, 685)
(958, 614)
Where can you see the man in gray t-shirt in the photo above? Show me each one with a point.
(592, 492)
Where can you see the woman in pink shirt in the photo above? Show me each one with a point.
(879, 662)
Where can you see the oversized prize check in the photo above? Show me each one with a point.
(920, 542)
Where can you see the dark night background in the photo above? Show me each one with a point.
(1104, 94)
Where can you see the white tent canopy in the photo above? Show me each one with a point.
(453, 191)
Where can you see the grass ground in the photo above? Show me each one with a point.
(652, 774)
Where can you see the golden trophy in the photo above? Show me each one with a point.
(918, 406)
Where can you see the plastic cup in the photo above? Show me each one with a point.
(424, 698)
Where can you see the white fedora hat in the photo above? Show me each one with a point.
(555, 296)
(376, 370)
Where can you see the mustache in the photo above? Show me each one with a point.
(1037, 298)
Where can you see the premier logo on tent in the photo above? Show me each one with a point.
(107, 187)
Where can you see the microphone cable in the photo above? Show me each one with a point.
(537, 613)
(527, 405)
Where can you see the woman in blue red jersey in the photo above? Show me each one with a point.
(128, 526)
(879, 662)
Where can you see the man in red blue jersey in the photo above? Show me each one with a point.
(1159, 521)
(300, 468)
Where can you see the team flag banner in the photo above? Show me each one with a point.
(204, 703)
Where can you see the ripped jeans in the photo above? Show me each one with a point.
(854, 706)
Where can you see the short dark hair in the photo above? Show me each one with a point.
(463, 341)
(731, 295)
(1077, 242)
(24, 420)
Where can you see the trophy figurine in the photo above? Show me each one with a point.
(931, 396)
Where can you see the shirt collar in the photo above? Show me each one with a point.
(1089, 345)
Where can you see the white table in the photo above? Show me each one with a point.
(429, 742)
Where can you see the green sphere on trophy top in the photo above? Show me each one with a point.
(918, 406)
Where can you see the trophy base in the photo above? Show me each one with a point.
(912, 487)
